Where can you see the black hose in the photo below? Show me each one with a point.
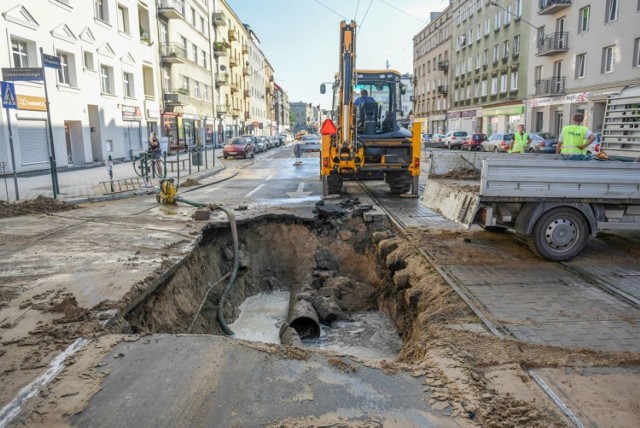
(236, 258)
(234, 272)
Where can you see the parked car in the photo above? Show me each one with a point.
(474, 142)
(261, 145)
(542, 142)
(239, 147)
(436, 141)
(310, 143)
(453, 139)
(426, 138)
(498, 142)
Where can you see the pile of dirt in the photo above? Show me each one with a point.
(39, 205)
(189, 182)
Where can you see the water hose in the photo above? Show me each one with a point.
(236, 258)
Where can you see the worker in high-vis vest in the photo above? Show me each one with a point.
(520, 141)
(575, 137)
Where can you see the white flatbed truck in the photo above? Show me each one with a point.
(557, 205)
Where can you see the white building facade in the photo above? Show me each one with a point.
(104, 100)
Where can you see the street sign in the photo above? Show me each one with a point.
(8, 91)
(51, 61)
(22, 74)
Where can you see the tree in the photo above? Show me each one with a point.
(292, 119)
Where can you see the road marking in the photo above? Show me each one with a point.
(248, 195)
(299, 192)
(270, 177)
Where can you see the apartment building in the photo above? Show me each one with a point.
(269, 85)
(431, 53)
(186, 72)
(257, 110)
(583, 52)
(281, 108)
(489, 65)
(105, 96)
(231, 44)
(303, 113)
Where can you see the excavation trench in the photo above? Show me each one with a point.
(306, 283)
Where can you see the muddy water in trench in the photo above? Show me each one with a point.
(366, 335)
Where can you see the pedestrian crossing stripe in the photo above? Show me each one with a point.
(8, 95)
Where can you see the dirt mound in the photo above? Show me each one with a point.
(461, 174)
(190, 182)
(39, 205)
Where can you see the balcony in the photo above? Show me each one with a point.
(173, 53)
(550, 86)
(247, 93)
(233, 35)
(245, 48)
(220, 49)
(245, 72)
(235, 87)
(553, 43)
(549, 7)
(176, 97)
(235, 111)
(247, 116)
(443, 65)
(269, 90)
(443, 89)
(171, 9)
(222, 79)
(233, 62)
(222, 109)
(219, 19)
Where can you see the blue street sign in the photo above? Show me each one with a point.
(51, 61)
(23, 74)
(8, 92)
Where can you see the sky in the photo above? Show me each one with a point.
(300, 38)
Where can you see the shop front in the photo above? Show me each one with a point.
(437, 124)
(132, 119)
(503, 119)
(464, 120)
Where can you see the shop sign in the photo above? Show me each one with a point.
(27, 102)
(459, 114)
(503, 111)
(582, 97)
(131, 113)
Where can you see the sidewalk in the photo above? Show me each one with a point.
(85, 183)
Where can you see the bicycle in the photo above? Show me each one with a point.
(144, 166)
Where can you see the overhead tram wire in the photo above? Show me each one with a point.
(327, 7)
(364, 17)
(356, 14)
(402, 11)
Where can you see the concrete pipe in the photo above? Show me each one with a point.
(302, 316)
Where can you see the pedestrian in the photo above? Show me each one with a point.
(520, 140)
(364, 98)
(572, 138)
(155, 152)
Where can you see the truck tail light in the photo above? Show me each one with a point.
(325, 162)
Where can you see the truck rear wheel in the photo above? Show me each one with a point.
(559, 234)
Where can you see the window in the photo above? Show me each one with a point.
(469, 64)
(166, 78)
(202, 26)
(193, 17)
(514, 80)
(476, 89)
(496, 49)
(88, 61)
(583, 25)
(636, 53)
(485, 57)
(607, 59)
(185, 84)
(204, 59)
(581, 61)
(496, 25)
(505, 49)
(66, 72)
(487, 27)
(611, 10)
(494, 85)
(478, 60)
(516, 45)
(184, 44)
(106, 79)
(518, 9)
(503, 83)
(478, 32)
(196, 89)
(507, 16)
(123, 19)
(101, 10)
(19, 53)
(127, 85)
(194, 50)
(484, 88)
(206, 92)
(538, 73)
